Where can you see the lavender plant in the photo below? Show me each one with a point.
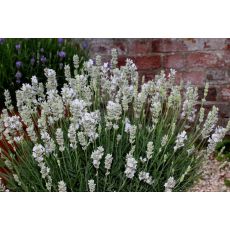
(104, 132)
(22, 58)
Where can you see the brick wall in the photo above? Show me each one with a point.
(196, 60)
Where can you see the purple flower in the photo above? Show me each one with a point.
(61, 54)
(2, 40)
(85, 44)
(18, 64)
(18, 46)
(32, 61)
(43, 59)
(60, 40)
(61, 65)
(18, 76)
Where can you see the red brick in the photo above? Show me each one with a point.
(149, 74)
(121, 60)
(140, 46)
(148, 62)
(195, 77)
(226, 58)
(208, 107)
(223, 113)
(168, 45)
(173, 61)
(216, 74)
(224, 110)
(225, 93)
(212, 94)
(188, 44)
(157, 45)
(213, 43)
(227, 44)
(202, 60)
(178, 78)
(223, 122)
(120, 45)
(203, 44)
(193, 44)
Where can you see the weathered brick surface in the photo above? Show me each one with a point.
(168, 45)
(225, 93)
(196, 77)
(197, 60)
(214, 74)
(140, 47)
(200, 59)
(175, 61)
(147, 62)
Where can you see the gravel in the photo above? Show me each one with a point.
(213, 175)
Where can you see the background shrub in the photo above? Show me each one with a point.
(22, 58)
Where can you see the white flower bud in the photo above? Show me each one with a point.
(145, 177)
(38, 152)
(170, 184)
(108, 162)
(96, 156)
(62, 186)
(181, 137)
(91, 185)
(131, 166)
(149, 151)
(8, 101)
(72, 136)
(60, 139)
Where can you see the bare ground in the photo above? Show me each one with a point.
(213, 175)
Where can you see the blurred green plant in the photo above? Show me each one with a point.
(223, 150)
(227, 182)
(22, 58)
